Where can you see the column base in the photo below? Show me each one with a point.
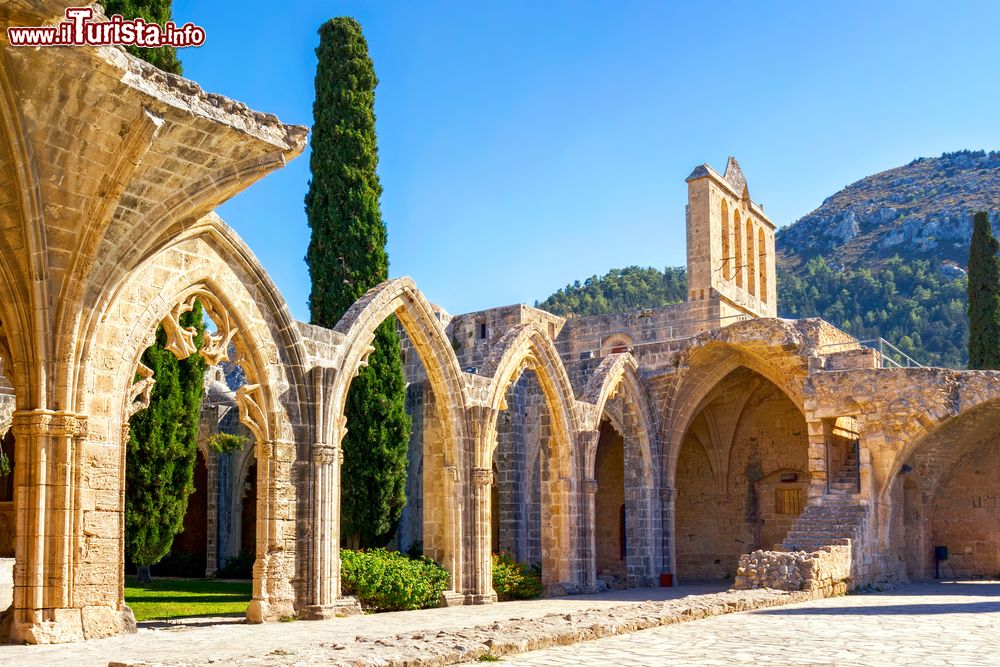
(452, 599)
(262, 611)
(561, 589)
(477, 598)
(345, 606)
(59, 626)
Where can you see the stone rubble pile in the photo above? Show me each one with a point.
(826, 571)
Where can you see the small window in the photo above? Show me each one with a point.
(789, 501)
(482, 331)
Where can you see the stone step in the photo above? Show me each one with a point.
(824, 530)
(811, 544)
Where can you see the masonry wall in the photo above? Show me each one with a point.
(653, 336)
(522, 435)
(608, 507)
(966, 515)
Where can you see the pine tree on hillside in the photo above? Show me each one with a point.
(152, 11)
(162, 450)
(984, 296)
(347, 257)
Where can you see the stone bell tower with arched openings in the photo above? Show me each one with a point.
(730, 245)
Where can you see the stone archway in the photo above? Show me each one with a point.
(445, 473)
(942, 493)
(741, 475)
(622, 447)
(208, 265)
(526, 347)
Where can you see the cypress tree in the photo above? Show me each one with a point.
(162, 450)
(984, 296)
(347, 257)
(152, 11)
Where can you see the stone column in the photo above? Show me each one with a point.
(818, 460)
(667, 497)
(452, 505)
(589, 536)
(212, 511)
(482, 479)
(52, 510)
(325, 571)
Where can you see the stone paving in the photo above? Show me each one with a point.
(919, 624)
(233, 642)
(928, 624)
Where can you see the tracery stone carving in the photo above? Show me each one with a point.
(139, 392)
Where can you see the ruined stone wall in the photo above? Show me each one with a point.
(522, 442)
(825, 572)
(411, 522)
(609, 506)
(653, 336)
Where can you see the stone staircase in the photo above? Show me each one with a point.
(846, 478)
(837, 520)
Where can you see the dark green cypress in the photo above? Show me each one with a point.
(152, 11)
(162, 450)
(347, 257)
(984, 296)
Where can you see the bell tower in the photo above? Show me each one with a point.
(730, 245)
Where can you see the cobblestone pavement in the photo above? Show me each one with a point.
(229, 641)
(920, 624)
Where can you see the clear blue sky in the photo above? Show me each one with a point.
(527, 145)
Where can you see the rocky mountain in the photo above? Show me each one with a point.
(920, 210)
(883, 258)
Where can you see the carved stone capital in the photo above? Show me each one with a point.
(44, 422)
(482, 476)
(590, 486)
(325, 454)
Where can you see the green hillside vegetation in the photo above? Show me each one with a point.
(909, 303)
(619, 290)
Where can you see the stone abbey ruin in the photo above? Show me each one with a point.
(609, 449)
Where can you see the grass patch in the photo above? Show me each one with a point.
(182, 598)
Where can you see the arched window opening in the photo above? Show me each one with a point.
(751, 264)
(738, 237)
(726, 260)
(762, 258)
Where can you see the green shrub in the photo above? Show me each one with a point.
(516, 581)
(390, 581)
(226, 443)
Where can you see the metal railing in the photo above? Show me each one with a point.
(891, 356)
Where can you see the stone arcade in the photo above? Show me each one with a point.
(608, 449)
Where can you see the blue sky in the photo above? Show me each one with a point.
(524, 145)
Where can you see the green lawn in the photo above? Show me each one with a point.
(180, 598)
